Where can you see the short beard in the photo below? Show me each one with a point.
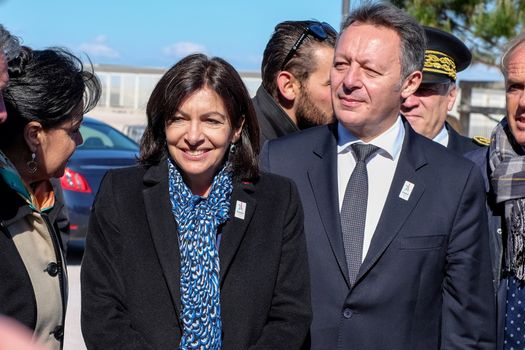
(308, 114)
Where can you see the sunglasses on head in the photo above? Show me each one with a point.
(317, 29)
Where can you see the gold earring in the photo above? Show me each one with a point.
(32, 165)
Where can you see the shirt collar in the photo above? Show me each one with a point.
(442, 137)
(389, 142)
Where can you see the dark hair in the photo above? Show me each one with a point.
(302, 63)
(45, 86)
(189, 75)
(411, 33)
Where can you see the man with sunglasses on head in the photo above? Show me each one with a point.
(395, 224)
(427, 109)
(295, 90)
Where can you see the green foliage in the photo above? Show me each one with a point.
(484, 25)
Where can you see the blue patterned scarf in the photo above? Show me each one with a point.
(197, 221)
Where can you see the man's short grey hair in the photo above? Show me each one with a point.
(509, 49)
(9, 44)
(411, 33)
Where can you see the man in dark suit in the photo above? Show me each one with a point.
(427, 108)
(413, 270)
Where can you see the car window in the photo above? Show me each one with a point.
(100, 136)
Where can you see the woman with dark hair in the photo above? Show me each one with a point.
(46, 98)
(194, 248)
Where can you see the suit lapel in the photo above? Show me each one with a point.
(163, 228)
(233, 231)
(396, 209)
(454, 140)
(459, 143)
(322, 175)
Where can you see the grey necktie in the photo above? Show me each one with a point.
(353, 210)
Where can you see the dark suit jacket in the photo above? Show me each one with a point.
(131, 270)
(273, 120)
(459, 143)
(425, 282)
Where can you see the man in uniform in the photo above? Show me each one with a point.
(427, 108)
(295, 90)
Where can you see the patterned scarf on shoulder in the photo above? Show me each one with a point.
(40, 199)
(197, 220)
(508, 181)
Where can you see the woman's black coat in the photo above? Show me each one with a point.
(131, 268)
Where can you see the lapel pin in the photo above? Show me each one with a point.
(240, 210)
(406, 190)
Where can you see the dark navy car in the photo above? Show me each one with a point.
(104, 148)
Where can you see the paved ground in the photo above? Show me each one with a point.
(73, 336)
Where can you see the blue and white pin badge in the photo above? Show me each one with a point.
(406, 190)
(240, 210)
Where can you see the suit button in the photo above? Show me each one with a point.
(58, 332)
(52, 269)
(347, 313)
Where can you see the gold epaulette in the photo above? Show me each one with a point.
(480, 140)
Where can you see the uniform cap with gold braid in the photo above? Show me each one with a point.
(445, 56)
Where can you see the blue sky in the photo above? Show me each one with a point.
(157, 33)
